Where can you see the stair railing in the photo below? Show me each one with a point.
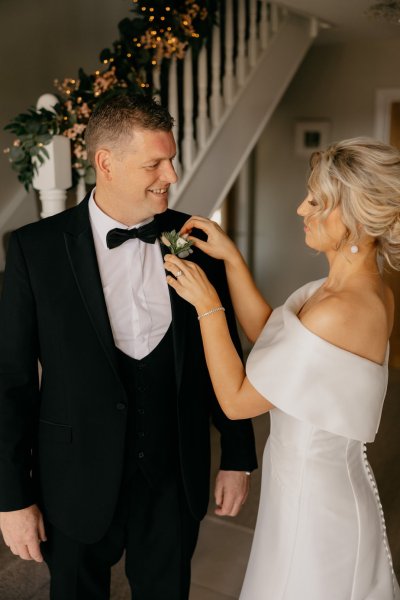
(199, 93)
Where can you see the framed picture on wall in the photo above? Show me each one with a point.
(311, 136)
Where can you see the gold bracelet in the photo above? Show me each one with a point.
(210, 312)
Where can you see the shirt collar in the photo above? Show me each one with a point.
(102, 223)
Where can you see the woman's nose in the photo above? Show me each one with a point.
(301, 209)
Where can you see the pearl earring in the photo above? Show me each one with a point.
(354, 249)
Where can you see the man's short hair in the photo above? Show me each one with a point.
(114, 119)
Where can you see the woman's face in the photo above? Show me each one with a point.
(324, 235)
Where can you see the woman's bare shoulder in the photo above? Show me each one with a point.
(356, 320)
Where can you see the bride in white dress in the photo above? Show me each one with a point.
(319, 365)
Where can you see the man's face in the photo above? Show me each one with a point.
(141, 172)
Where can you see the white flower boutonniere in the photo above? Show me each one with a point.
(177, 244)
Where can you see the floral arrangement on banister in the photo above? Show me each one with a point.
(157, 31)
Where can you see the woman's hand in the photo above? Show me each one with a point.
(191, 283)
(218, 244)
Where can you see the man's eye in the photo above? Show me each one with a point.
(153, 166)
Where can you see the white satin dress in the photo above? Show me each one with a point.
(320, 531)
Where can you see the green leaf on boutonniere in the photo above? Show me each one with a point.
(177, 244)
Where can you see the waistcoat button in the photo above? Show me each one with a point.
(120, 406)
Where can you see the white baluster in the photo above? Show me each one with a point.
(54, 176)
(253, 33)
(241, 57)
(216, 75)
(81, 186)
(52, 201)
(274, 18)
(188, 143)
(202, 119)
(157, 83)
(242, 208)
(264, 30)
(228, 77)
(174, 109)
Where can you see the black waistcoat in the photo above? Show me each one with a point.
(151, 436)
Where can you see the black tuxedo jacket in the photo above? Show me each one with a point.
(62, 440)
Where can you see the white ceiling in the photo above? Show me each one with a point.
(347, 19)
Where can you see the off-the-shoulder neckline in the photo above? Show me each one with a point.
(305, 294)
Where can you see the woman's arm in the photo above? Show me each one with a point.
(237, 397)
(251, 310)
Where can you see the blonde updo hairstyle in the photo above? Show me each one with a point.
(362, 177)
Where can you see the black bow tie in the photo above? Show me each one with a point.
(147, 233)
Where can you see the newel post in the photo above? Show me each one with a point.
(54, 176)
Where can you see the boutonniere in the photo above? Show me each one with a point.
(177, 244)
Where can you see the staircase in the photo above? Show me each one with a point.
(258, 78)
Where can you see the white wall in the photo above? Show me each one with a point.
(41, 41)
(335, 82)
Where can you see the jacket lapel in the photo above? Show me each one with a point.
(82, 255)
(179, 309)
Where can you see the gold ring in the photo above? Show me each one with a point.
(179, 273)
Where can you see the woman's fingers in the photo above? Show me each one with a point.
(175, 265)
(200, 244)
(218, 244)
(198, 223)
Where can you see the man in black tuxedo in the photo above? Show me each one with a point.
(110, 450)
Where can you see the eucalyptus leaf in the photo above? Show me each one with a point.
(16, 154)
(33, 127)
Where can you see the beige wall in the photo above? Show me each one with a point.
(335, 82)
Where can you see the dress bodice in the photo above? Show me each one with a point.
(313, 380)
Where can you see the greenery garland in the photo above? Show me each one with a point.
(157, 31)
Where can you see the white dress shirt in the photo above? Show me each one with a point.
(134, 286)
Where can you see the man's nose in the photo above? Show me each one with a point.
(169, 175)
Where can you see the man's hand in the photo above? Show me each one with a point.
(231, 490)
(23, 530)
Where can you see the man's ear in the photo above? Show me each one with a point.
(102, 162)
